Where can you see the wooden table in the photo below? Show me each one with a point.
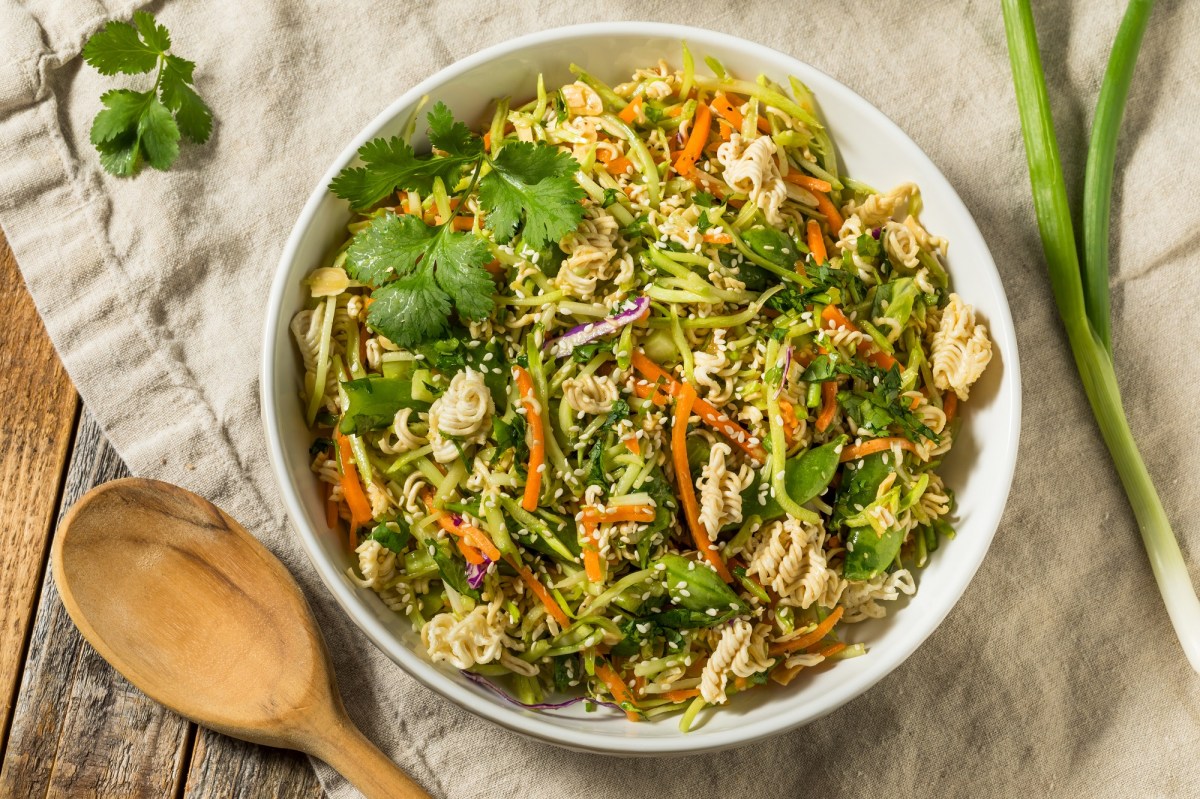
(69, 725)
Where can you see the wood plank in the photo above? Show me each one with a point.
(223, 767)
(79, 729)
(37, 414)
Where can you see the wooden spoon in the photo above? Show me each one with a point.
(195, 612)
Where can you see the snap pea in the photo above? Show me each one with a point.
(806, 477)
(696, 588)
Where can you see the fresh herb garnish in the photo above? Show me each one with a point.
(144, 127)
(420, 272)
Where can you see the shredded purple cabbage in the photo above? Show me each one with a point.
(565, 344)
(477, 571)
(479, 679)
(875, 233)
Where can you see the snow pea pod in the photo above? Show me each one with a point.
(696, 588)
(806, 476)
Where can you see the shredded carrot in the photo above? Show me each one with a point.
(950, 405)
(832, 650)
(713, 417)
(632, 112)
(653, 393)
(828, 405)
(697, 138)
(833, 317)
(816, 242)
(726, 110)
(684, 402)
(873, 445)
(468, 533)
(740, 683)
(618, 166)
(717, 238)
(591, 551)
(617, 687)
(331, 508)
(463, 223)
(618, 513)
(495, 268)
(680, 694)
(808, 639)
(634, 445)
(790, 422)
(537, 441)
(807, 182)
(827, 209)
(675, 111)
(540, 591)
(352, 487)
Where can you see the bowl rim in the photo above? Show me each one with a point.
(469, 697)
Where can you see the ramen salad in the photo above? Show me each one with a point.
(631, 397)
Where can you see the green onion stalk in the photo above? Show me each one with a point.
(1088, 340)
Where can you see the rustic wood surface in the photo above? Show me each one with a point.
(71, 726)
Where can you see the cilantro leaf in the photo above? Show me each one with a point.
(132, 125)
(451, 136)
(388, 248)
(136, 127)
(532, 183)
(191, 113)
(430, 268)
(119, 48)
(156, 36)
(410, 310)
(459, 260)
(389, 164)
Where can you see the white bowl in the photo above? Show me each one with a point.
(875, 151)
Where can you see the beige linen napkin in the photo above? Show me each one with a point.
(1057, 673)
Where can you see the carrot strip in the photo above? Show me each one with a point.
(827, 209)
(618, 513)
(495, 268)
(352, 487)
(808, 182)
(717, 238)
(632, 112)
(487, 141)
(652, 393)
(331, 507)
(617, 687)
(680, 694)
(816, 242)
(828, 405)
(683, 478)
(540, 591)
(463, 223)
(537, 441)
(832, 650)
(833, 317)
(469, 533)
(950, 405)
(618, 166)
(871, 446)
(807, 640)
(725, 109)
(711, 416)
(591, 551)
(697, 138)
(634, 445)
(790, 422)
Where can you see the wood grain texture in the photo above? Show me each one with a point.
(37, 414)
(79, 729)
(224, 767)
(197, 613)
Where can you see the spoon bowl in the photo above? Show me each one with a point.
(196, 613)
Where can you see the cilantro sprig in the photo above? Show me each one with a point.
(144, 127)
(421, 272)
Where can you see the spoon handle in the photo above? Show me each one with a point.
(348, 751)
